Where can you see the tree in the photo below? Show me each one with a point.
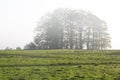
(30, 46)
(66, 28)
(8, 48)
(18, 48)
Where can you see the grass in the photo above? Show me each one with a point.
(60, 65)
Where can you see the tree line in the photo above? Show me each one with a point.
(70, 29)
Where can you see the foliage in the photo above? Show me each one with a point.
(18, 48)
(30, 46)
(69, 29)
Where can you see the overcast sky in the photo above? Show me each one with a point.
(18, 18)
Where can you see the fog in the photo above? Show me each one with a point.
(19, 18)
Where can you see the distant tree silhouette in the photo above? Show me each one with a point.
(18, 48)
(30, 46)
(69, 29)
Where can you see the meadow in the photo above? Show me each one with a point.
(59, 65)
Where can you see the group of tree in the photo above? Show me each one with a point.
(70, 29)
(7, 48)
(17, 48)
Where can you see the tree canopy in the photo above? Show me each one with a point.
(71, 29)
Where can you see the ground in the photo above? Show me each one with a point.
(60, 65)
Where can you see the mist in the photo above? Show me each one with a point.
(18, 19)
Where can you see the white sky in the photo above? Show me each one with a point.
(18, 18)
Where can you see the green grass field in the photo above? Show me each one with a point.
(60, 65)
